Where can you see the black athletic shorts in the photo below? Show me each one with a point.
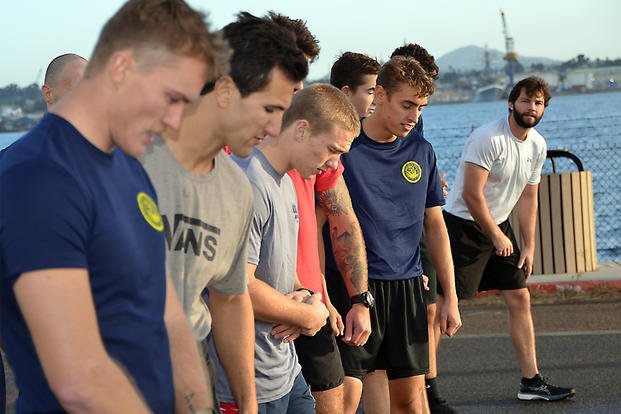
(431, 295)
(477, 266)
(320, 359)
(399, 341)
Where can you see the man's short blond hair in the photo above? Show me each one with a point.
(324, 107)
(154, 29)
(405, 70)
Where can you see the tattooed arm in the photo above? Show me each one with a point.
(350, 256)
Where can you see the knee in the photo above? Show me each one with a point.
(352, 388)
(517, 300)
(409, 397)
(412, 403)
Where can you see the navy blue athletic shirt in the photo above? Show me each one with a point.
(390, 185)
(66, 204)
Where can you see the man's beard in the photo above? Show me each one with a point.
(521, 121)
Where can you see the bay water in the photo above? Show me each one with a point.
(589, 125)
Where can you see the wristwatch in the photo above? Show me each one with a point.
(366, 298)
(310, 292)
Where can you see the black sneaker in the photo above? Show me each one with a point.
(439, 405)
(538, 388)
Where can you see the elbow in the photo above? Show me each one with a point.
(74, 396)
(76, 392)
(469, 199)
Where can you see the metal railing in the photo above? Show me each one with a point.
(603, 159)
(564, 153)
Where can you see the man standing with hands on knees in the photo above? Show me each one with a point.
(499, 169)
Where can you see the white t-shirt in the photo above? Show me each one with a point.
(512, 164)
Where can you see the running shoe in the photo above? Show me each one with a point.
(440, 406)
(538, 388)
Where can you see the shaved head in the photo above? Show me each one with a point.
(62, 74)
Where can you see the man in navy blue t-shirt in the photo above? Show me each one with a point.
(62, 74)
(375, 384)
(395, 190)
(89, 321)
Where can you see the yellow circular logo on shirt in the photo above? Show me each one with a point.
(411, 171)
(149, 211)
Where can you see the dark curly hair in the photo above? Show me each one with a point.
(259, 45)
(531, 85)
(307, 43)
(349, 69)
(419, 53)
(401, 69)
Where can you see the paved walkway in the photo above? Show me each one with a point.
(579, 345)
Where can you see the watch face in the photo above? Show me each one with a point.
(365, 298)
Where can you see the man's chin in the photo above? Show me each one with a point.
(243, 152)
(526, 121)
(135, 152)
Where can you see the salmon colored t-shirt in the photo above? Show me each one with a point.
(308, 268)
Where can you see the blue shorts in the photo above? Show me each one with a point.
(298, 401)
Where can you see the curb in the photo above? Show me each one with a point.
(583, 286)
(563, 286)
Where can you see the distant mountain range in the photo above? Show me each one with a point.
(469, 58)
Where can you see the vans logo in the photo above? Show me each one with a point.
(191, 235)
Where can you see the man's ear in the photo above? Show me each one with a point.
(301, 130)
(120, 65)
(47, 94)
(346, 90)
(225, 91)
(380, 94)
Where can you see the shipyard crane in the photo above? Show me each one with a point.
(38, 78)
(510, 55)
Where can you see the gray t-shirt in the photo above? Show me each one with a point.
(206, 222)
(272, 247)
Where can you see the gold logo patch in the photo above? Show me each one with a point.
(411, 171)
(149, 211)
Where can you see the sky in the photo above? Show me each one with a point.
(33, 32)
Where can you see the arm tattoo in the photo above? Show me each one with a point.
(346, 235)
(350, 255)
(188, 400)
(335, 202)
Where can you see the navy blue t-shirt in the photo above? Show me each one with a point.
(418, 128)
(66, 204)
(390, 185)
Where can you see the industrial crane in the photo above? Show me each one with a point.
(38, 78)
(510, 55)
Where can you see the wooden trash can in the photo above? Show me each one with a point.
(565, 231)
